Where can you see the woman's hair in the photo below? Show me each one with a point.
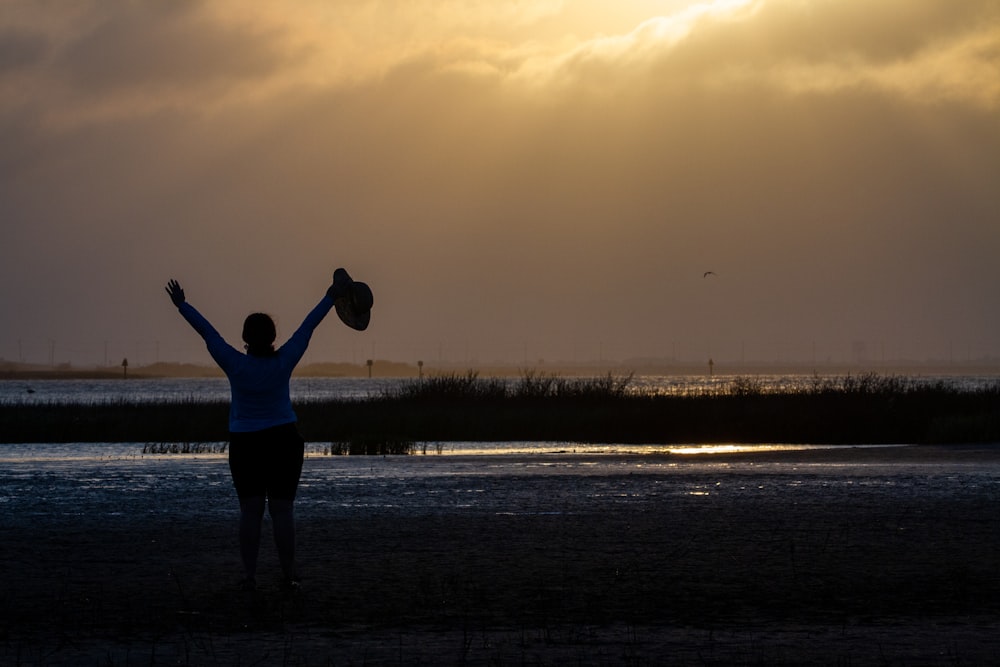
(259, 334)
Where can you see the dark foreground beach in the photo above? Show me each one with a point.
(853, 556)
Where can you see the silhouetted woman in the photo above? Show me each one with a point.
(266, 450)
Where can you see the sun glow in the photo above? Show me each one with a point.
(358, 42)
(676, 26)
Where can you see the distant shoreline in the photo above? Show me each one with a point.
(394, 369)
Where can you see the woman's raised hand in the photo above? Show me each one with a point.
(176, 292)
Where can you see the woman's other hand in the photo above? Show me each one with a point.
(340, 288)
(176, 292)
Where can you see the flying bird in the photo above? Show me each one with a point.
(707, 274)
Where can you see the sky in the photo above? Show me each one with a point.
(520, 181)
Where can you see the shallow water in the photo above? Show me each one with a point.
(176, 389)
(84, 452)
(54, 482)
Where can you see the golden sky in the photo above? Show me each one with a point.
(516, 181)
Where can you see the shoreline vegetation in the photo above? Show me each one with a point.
(864, 409)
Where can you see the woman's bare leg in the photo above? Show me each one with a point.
(251, 515)
(283, 522)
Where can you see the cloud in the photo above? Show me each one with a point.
(499, 182)
(20, 49)
(100, 62)
(154, 45)
(926, 51)
(140, 58)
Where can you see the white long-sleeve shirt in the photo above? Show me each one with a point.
(258, 385)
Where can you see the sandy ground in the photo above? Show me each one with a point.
(845, 574)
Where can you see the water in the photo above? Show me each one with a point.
(60, 483)
(87, 453)
(177, 389)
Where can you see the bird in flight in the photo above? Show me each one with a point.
(707, 274)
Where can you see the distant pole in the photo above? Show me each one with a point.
(370, 363)
(420, 369)
(125, 368)
(711, 367)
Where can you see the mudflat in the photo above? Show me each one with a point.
(844, 556)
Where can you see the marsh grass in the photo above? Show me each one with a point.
(469, 387)
(861, 409)
(185, 448)
(361, 445)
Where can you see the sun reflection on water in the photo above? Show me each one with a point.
(734, 449)
(547, 453)
(576, 448)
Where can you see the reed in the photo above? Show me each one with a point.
(185, 448)
(863, 409)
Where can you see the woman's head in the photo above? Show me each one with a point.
(259, 334)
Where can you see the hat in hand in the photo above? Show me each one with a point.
(352, 299)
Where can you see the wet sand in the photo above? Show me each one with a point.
(856, 556)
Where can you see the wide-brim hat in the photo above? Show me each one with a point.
(353, 302)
